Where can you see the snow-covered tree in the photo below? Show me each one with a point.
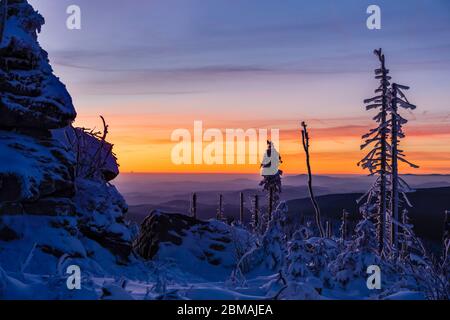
(360, 253)
(377, 160)
(220, 213)
(430, 274)
(270, 254)
(271, 182)
(299, 254)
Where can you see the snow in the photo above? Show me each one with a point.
(32, 162)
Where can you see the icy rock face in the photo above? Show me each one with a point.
(41, 183)
(36, 172)
(101, 209)
(33, 168)
(30, 95)
(201, 247)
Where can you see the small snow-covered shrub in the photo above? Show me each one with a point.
(360, 253)
(310, 257)
(271, 253)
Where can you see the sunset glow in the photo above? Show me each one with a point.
(256, 66)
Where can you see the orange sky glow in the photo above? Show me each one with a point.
(142, 144)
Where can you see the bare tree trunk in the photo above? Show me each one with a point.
(329, 229)
(220, 208)
(269, 216)
(394, 182)
(256, 212)
(305, 140)
(3, 17)
(404, 249)
(344, 225)
(446, 234)
(194, 206)
(241, 207)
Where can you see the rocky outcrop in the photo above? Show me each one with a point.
(159, 228)
(33, 165)
(48, 169)
(31, 96)
(194, 244)
(33, 168)
(101, 210)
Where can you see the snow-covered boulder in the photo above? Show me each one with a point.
(202, 247)
(31, 169)
(102, 210)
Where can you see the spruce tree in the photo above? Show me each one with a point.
(271, 182)
(376, 161)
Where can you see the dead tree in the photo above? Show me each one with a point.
(305, 141)
(446, 235)
(255, 213)
(344, 225)
(241, 208)
(220, 215)
(376, 161)
(3, 17)
(93, 152)
(194, 206)
(398, 185)
(329, 229)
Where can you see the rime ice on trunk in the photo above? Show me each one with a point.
(399, 186)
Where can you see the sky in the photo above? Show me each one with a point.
(151, 67)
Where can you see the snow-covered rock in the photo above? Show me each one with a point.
(210, 249)
(30, 95)
(102, 210)
(33, 168)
